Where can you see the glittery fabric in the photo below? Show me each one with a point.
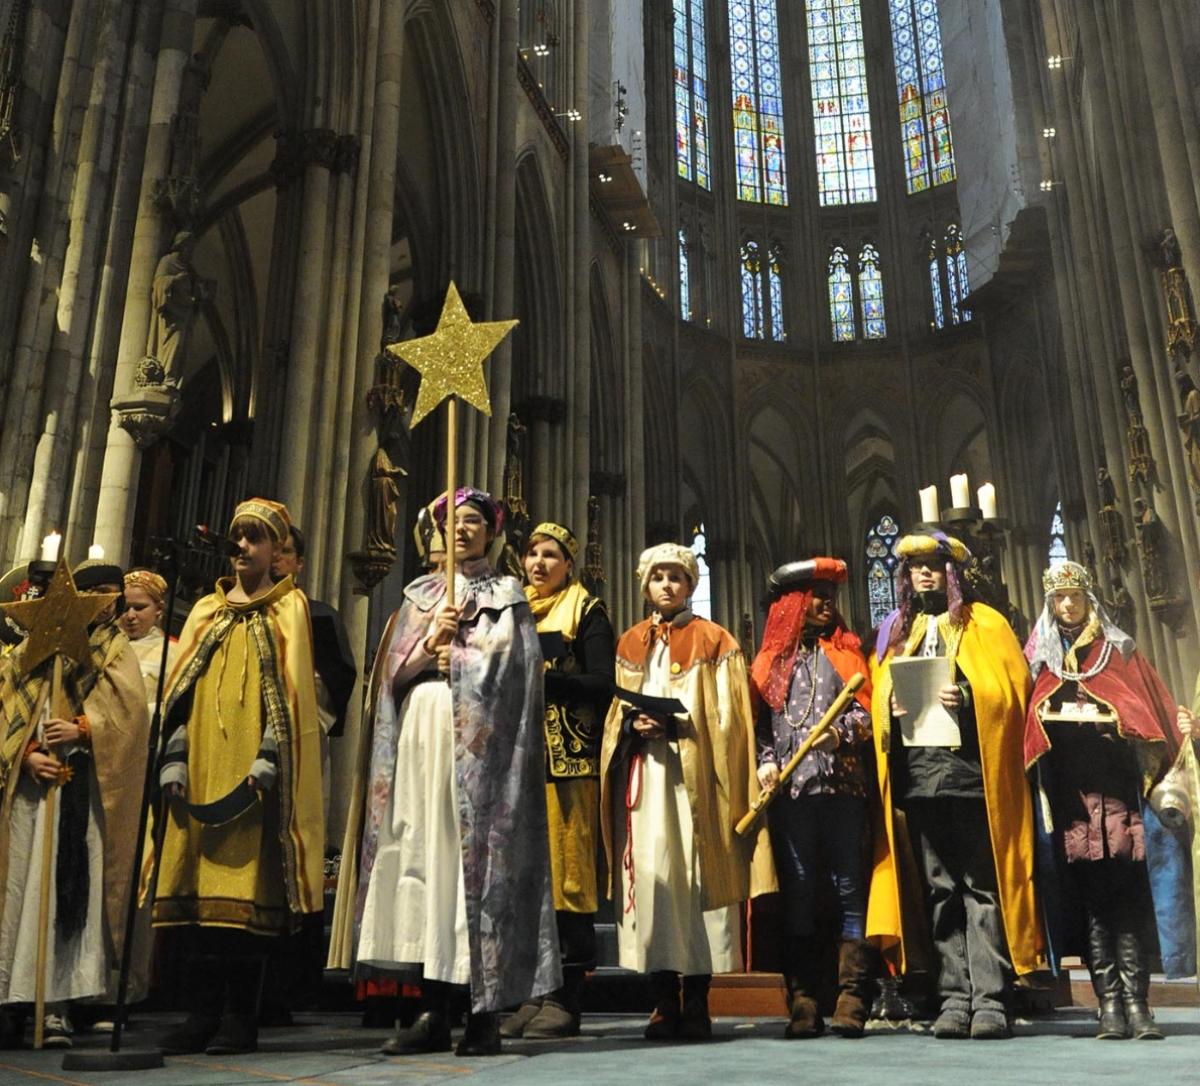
(450, 361)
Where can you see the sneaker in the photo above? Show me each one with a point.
(56, 1031)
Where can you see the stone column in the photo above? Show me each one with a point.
(123, 458)
(385, 35)
(581, 369)
(315, 148)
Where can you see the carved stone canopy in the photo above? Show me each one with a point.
(149, 409)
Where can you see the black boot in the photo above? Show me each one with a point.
(695, 1024)
(1135, 980)
(800, 976)
(238, 1032)
(1106, 980)
(856, 981)
(482, 1036)
(431, 1030)
(664, 1022)
(206, 986)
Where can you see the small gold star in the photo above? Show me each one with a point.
(450, 361)
(58, 622)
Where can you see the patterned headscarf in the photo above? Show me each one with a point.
(492, 510)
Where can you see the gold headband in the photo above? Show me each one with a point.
(1065, 576)
(273, 514)
(149, 582)
(562, 536)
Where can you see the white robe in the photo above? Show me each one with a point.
(415, 913)
(667, 929)
(77, 967)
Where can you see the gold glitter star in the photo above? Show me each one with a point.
(58, 622)
(450, 361)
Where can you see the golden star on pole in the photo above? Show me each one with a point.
(58, 622)
(450, 361)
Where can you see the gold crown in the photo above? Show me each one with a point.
(1064, 576)
(564, 537)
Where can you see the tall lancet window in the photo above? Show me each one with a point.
(685, 285)
(841, 109)
(752, 292)
(921, 86)
(841, 296)
(757, 101)
(870, 293)
(775, 292)
(701, 601)
(1058, 538)
(956, 275)
(935, 286)
(691, 93)
(881, 568)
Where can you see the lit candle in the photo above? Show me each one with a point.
(96, 553)
(960, 491)
(987, 501)
(50, 547)
(929, 504)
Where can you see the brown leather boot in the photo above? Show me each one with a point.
(664, 1022)
(805, 1020)
(856, 974)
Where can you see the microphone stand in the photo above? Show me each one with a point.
(171, 558)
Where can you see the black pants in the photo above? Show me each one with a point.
(954, 851)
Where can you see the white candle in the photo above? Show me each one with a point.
(50, 547)
(960, 491)
(987, 501)
(929, 504)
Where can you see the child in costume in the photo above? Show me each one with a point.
(673, 785)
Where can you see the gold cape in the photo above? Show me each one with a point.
(120, 725)
(717, 751)
(990, 657)
(278, 651)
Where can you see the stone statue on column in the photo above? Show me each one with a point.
(1137, 437)
(1189, 424)
(1153, 552)
(383, 505)
(176, 294)
(1164, 253)
(1112, 527)
(594, 577)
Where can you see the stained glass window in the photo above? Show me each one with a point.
(921, 86)
(701, 602)
(757, 101)
(691, 93)
(956, 275)
(841, 110)
(685, 293)
(1058, 538)
(775, 292)
(935, 287)
(752, 292)
(881, 568)
(841, 296)
(870, 293)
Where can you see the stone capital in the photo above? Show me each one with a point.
(148, 410)
(296, 151)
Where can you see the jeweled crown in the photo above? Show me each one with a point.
(1066, 575)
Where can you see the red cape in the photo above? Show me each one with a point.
(1130, 687)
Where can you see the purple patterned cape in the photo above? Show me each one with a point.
(500, 764)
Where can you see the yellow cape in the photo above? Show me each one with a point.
(990, 657)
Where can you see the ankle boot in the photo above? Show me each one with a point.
(238, 1031)
(856, 976)
(559, 1014)
(695, 1023)
(482, 1035)
(805, 1020)
(1106, 981)
(1135, 980)
(664, 1022)
(430, 1031)
(518, 1022)
(206, 988)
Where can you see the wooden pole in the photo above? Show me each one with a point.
(451, 487)
(767, 795)
(48, 829)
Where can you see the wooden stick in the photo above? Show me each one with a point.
(48, 828)
(767, 795)
(451, 488)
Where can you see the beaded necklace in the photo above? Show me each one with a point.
(794, 724)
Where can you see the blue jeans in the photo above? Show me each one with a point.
(816, 837)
